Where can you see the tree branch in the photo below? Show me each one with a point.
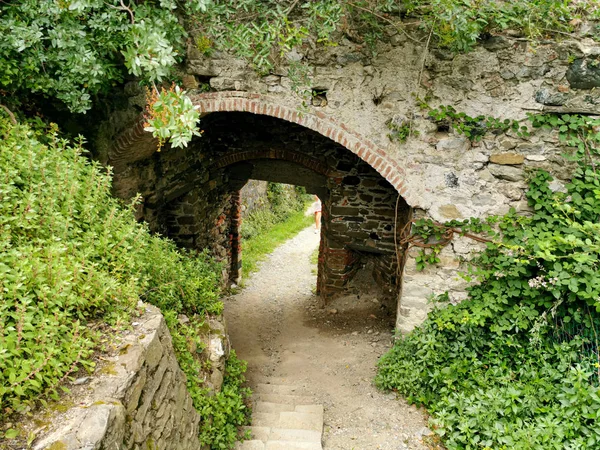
(379, 16)
(13, 119)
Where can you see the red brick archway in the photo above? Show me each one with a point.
(278, 154)
(376, 157)
(236, 101)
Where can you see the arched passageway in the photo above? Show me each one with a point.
(192, 195)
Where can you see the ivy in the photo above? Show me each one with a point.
(517, 364)
(474, 128)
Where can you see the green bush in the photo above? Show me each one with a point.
(499, 370)
(74, 260)
(282, 202)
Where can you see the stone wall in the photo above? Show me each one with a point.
(137, 399)
(253, 196)
(438, 173)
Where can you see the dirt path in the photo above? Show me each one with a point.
(276, 325)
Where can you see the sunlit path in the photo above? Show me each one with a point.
(327, 356)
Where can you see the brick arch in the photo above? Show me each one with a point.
(376, 157)
(135, 144)
(278, 154)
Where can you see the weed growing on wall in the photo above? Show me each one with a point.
(73, 264)
(517, 365)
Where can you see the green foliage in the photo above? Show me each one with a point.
(170, 115)
(74, 261)
(227, 409)
(74, 50)
(475, 128)
(262, 31)
(517, 365)
(581, 133)
(282, 202)
(399, 132)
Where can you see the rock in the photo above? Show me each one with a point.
(495, 43)
(222, 83)
(557, 186)
(189, 82)
(546, 97)
(584, 73)
(424, 432)
(348, 58)
(215, 349)
(294, 56)
(507, 158)
(183, 319)
(449, 212)
(333, 311)
(202, 67)
(537, 158)
(80, 381)
(507, 173)
(460, 144)
(272, 80)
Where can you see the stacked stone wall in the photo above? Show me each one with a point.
(137, 400)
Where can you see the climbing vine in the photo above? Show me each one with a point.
(474, 128)
(517, 364)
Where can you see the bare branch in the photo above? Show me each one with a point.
(13, 119)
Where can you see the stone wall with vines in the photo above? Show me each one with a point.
(452, 121)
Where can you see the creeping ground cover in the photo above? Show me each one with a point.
(73, 265)
(516, 365)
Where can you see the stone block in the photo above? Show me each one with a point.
(507, 173)
(584, 73)
(449, 212)
(508, 158)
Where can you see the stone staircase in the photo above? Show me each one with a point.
(283, 419)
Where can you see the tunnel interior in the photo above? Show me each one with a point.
(193, 197)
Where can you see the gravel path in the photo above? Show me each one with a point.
(275, 324)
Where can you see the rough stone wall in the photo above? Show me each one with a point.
(439, 174)
(138, 400)
(253, 194)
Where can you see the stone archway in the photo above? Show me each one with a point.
(192, 195)
(135, 143)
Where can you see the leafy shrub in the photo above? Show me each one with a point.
(73, 260)
(494, 371)
(282, 201)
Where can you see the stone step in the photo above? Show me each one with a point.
(301, 421)
(281, 389)
(289, 419)
(286, 434)
(250, 445)
(265, 434)
(271, 407)
(283, 399)
(278, 445)
(261, 419)
(277, 407)
(291, 445)
(283, 419)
